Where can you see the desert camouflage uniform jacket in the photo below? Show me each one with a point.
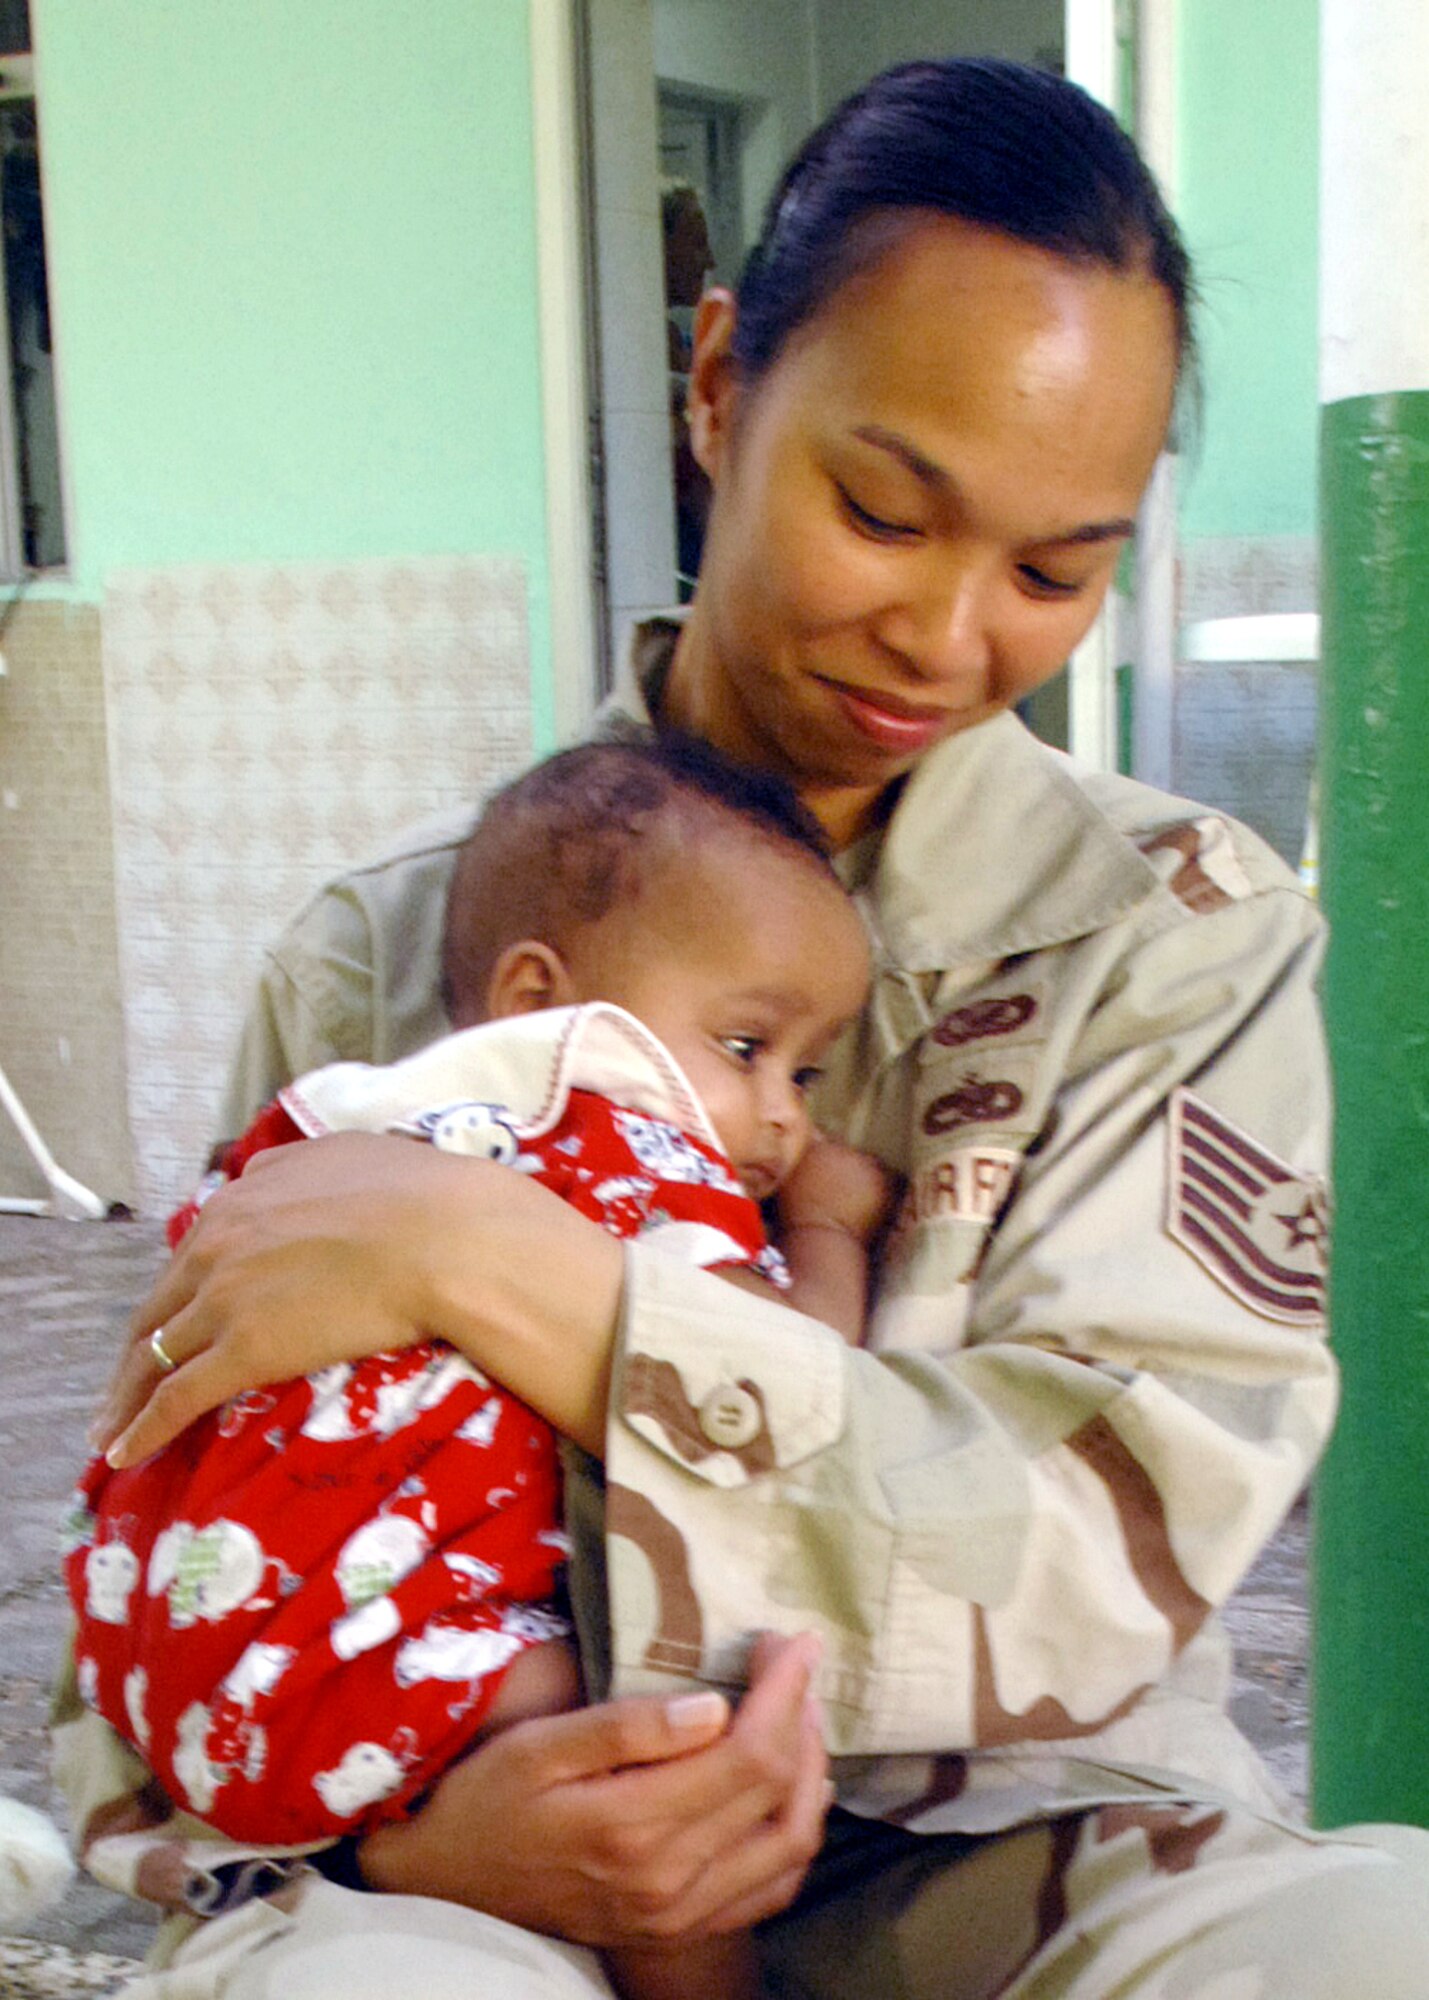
(1096, 1375)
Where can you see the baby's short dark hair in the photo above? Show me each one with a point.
(564, 843)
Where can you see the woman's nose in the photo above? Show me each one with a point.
(942, 630)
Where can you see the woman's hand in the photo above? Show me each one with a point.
(356, 1244)
(638, 1819)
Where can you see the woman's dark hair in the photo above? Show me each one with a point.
(993, 143)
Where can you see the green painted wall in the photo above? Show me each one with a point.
(1248, 163)
(293, 265)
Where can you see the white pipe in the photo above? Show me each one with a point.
(68, 1197)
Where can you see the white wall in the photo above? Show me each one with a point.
(762, 52)
(790, 61)
(859, 37)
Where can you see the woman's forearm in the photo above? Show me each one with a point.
(537, 1308)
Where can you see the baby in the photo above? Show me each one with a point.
(309, 1605)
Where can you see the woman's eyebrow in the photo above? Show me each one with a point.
(940, 481)
(924, 469)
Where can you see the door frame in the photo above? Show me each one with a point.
(567, 301)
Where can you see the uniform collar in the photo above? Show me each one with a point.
(993, 847)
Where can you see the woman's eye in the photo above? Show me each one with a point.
(1040, 584)
(743, 1048)
(873, 525)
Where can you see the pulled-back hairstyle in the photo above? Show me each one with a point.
(993, 143)
(569, 839)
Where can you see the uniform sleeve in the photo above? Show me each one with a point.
(313, 1005)
(355, 978)
(1012, 1534)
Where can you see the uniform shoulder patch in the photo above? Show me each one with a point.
(1206, 873)
(1259, 1227)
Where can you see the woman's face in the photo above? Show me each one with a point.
(919, 507)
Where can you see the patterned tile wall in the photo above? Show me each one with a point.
(1244, 732)
(1248, 576)
(268, 724)
(61, 1032)
(1245, 743)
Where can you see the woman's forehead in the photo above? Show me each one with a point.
(956, 333)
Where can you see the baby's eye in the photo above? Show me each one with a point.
(807, 1077)
(743, 1048)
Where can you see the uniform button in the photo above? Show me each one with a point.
(730, 1417)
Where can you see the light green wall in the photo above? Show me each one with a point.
(1248, 144)
(293, 262)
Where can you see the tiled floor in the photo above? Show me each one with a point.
(65, 1292)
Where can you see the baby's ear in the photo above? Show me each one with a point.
(528, 977)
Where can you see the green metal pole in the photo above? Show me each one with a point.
(1371, 1583)
(1370, 1692)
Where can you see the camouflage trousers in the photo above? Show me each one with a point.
(1130, 1902)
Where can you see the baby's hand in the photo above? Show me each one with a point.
(840, 1188)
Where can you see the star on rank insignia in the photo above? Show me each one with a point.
(1257, 1225)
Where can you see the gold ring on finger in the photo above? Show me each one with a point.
(165, 1361)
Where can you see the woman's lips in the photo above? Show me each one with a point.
(891, 724)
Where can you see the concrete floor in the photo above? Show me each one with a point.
(65, 1293)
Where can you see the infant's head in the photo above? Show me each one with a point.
(698, 895)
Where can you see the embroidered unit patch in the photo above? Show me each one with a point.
(1260, 1228)
(982, 1020)
(976, 1100)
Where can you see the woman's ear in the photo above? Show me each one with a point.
(528, 977)
(714, 384)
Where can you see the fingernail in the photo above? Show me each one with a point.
(696, 1711)
(116, 1457)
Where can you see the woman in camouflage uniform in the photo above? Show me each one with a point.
(992, 1542)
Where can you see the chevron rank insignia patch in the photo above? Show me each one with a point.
(1256, 1225)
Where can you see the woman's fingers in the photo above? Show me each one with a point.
(272, 1281)
(579, 1844)
(597, 1742)
(138, 1369)
(731, 1828)
(753, 1870)
(171, 1405)
(357, 1244)
(176, 1284)
(634, 1819)
(141, 1373)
